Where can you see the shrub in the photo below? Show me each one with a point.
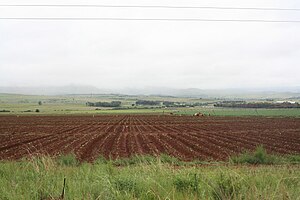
(37, 110)
(259, 156)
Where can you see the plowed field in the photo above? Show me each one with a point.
(185, 137)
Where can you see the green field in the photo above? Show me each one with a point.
(294, 112)
(75, 104)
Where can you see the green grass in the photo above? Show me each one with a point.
(145, 178)
(293, 112)
(75, 105)
(76, 109)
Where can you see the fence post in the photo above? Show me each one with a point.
(63, 190)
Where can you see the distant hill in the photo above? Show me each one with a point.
(60, 90)
(221, 93)
(160, 91)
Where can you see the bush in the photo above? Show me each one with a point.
(37, 110)
(259, 156)
(68, 160)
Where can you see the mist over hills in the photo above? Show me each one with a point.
(282, 92)
(53, 90)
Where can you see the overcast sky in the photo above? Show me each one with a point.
(119, 54)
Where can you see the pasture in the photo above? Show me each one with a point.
(76, 105)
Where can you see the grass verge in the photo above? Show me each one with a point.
(146, 177)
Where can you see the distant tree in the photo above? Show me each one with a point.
(257, 105)
(37, 110)
(147, 102)
(104, 104)
(40, 103)
(90, 104)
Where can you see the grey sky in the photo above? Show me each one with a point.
(118, 54)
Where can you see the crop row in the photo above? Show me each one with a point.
(185, 137)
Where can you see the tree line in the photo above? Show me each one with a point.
(104, 104)
(168, 103)
(258, 105)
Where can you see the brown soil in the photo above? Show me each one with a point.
(185, 137)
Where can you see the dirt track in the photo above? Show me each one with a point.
(124, 135)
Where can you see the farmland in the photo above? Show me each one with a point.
(116, 136)
(76, 105)
(145, 152)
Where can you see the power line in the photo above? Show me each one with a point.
(146, 19)
(151, 6)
